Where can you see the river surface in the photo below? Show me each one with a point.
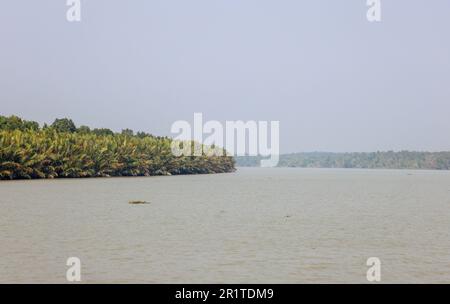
(253, 226)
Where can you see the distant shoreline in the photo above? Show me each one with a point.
(407, 160)
(340, 169)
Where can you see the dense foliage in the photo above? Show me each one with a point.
(373, 160)
(61, 150)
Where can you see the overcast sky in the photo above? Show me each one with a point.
(334, 81)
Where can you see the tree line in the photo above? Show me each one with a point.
(363, 160)
(62, 150)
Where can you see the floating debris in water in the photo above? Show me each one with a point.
(138, 202)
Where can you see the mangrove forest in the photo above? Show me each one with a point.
(63, 150)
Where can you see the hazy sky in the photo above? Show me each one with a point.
(334, 81)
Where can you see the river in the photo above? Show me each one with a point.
(283, 225)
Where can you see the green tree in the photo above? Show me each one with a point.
(102, 132)
(84, 130)
(127, 132)
(64, 125)
(17, 123)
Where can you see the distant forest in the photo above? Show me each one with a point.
(373, 160)
(62, 149)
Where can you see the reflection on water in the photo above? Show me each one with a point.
(252, 226)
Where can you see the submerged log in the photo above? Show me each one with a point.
(138, 202)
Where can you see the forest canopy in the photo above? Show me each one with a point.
(29, 151)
